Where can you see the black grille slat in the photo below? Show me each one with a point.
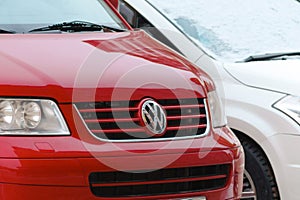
(106, 119)
(165, 189)
(184, 122)
(108, 115)
(172, 173)
(146, 187)
(113, 125)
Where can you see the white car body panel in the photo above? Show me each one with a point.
(281, 76)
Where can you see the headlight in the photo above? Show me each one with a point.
(216, 110)
(290, 105)
(31, 117)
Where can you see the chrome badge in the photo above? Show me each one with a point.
(154, 117)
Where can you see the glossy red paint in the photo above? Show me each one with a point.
(71, 68)
(58, 167)
(103, 65)
(66, 178)
(114, 5)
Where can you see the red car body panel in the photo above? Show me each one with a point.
(60, 170)
(89, 67)
(36, 68)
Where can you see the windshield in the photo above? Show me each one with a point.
(235, 29)
(23, 15)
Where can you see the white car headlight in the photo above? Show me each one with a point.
(290, 105)
(216, 110)
(31, 117)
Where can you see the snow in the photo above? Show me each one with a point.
(236, 29)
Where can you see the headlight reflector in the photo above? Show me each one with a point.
(6, 114)
(290, 105)
(216, 110)
(31, 117)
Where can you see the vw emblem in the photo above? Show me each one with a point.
(154, 117)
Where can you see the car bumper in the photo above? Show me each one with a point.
(68, 178)
(60, 167)
(285, 158)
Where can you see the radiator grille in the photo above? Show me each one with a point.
(160, 182)
(120, 120)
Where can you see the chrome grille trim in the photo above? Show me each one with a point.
(207, 129)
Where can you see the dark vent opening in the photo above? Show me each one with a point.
(160, 182)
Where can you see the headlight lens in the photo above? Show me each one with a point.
(6, 114)
(31, 117)
(290, 105)
(216, 110)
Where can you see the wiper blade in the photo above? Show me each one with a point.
(76, 26)
(270, 56)
(5, 31)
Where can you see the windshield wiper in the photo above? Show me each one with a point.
(5, 31)
(77, 26)
(270, 56)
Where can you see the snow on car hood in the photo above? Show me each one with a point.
(280, 76)
(232, 30)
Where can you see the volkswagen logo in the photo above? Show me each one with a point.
(153, 117)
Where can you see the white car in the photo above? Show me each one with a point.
(252, 50)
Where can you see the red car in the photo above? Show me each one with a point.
(91, 109)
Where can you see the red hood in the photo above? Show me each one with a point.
(94, 66)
